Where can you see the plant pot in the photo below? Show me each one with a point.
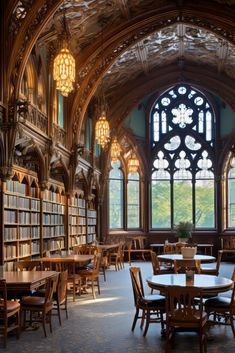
(188, 253)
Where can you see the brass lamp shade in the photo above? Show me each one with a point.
(102, 130)
(64, 71)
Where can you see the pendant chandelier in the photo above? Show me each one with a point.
(133, 164)
(115, 150)
(64, 66)
(102, 130)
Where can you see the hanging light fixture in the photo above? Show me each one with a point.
(133, 164)
(102, 130)
(115, 150)
(64, 66)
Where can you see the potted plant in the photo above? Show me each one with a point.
(183, 230)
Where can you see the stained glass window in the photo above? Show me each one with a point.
(183, 149)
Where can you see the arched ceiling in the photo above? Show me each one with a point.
(178, 40)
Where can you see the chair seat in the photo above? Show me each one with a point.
(33, 301)
(12, 305)
(218, 302)
(85, 272)
(154, 297)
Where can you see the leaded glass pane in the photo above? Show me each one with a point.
(182, 200)
(133, 202)
(115, 204)
(205, 211)
(161, 210)
(173, 144)
(191, 143)
(182, 116)
(231, 202)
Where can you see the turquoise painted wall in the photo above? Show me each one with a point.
(227, 118)
(136, 122)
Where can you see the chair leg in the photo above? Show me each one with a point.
(49, 318)
(44, 323)
(58, 311)
(232, 324)
(98, 284)
(93, 289)
(135, 319)
(66, 309)
(147, 323)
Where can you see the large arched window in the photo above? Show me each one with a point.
(116, 196)
(183, 150)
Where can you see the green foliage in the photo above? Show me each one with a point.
(183, 229)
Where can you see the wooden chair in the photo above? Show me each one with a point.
(222, 308)
(183, 265)
(157, 268)
(169, 248)
(60, 295)
(152, 306)
(40, 304)
(184, 314)
(85, 249)
(213, 270)
(115, 258)
(8, 310)
(136, 245)
(91, 275)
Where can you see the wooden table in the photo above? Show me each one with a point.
(107, 247)
(207, 283)
(172, 257)
(77, 259)
(24, 281)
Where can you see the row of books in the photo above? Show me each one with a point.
(52, 245)
(91, 213)
(91, 221)
(35, 247)
(16, 187)
(78, 202)
(53, 207)
(11, 233)
(10, 252)
(54, 196)
(56, 231)
(77, 230)
(91, 229)
(53, 219)
(24, 249)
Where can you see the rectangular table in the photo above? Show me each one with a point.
(23, 281)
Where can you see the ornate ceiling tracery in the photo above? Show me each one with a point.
(137, 42)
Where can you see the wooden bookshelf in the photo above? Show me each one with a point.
(91, 222)
(77, 220)
(21, 217)
(53, 218)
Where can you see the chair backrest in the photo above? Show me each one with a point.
(62, 286)
(51, 285)
(96, 264)
(155, 263)
(85, 249)
(169, 248)
(3, 300)
(137, 284)
(183, 265)
(25, 265)
(181, 305)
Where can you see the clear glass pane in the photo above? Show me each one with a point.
(204, 215)
(231, 203)
(115, 204)
(161, 210)
(182, 201)
(133, 204)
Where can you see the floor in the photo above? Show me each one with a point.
(103, 325)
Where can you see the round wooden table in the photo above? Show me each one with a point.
(207, 283)
(172, 257)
